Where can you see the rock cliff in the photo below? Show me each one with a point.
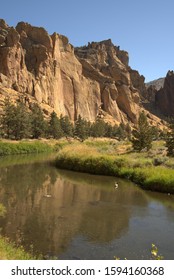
(164, 97)
(92, 80)
(121, 88)
(44, 67)
(156, 83)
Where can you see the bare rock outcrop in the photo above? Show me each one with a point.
(164, 97)
(157, 84)
(108, 65)
(92, 80)
(152, 88)
(45, 67)
(138, 82)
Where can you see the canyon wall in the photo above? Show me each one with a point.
(94, 80)
(164, 97)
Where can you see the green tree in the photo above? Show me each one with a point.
(22, 124)
(143, 135)
(114, 131)
(66, 126)
(7, 119)
(156, 133)
(108, 130)
(15, 121)
(98, 128)
(128, 131)
(121, 133)
(81, 128)
(38, 124)
(55, 129)
(170, 140)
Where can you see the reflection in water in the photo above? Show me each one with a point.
(72, 215)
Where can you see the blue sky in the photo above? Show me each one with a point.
(144, 28)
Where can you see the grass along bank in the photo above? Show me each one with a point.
(151, 170)
(28, 147)
(8, 250)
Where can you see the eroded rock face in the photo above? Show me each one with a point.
(138, 82)
(164, 98)
(108, 65)
(45, 67)
(86, 81)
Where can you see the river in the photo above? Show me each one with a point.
(69, 215)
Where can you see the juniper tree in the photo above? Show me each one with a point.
(115, 131)
(121, 133)
(22, 123)
(15, 121)
(38, 124)
(108, 130)
(79, 128)
(98, 128)
(66, 126)
(55, 129)
(170, 140)
(143, 135)
(128, 131)
(7, 119)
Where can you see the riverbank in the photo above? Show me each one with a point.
(9, 251)
(27, 147)
(151, 170)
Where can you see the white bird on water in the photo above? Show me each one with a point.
(116, 185)
(47, 195)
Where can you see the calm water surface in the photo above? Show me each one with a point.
(78, 216)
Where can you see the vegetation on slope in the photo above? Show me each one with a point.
(18, 122)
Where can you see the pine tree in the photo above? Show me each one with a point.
(170, 140)
(98, 128)
(15, 121)
(81, 129)
(55, 129)
(108, 130)
(38, 124)
(7, 120)
(128, 131)
(88, 128)
(156, 133)
(121, 132)
(143, 135)
(66, 126)
(115, 131)
(22, 124)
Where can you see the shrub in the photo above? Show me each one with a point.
(159, 161)
(170, 140)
